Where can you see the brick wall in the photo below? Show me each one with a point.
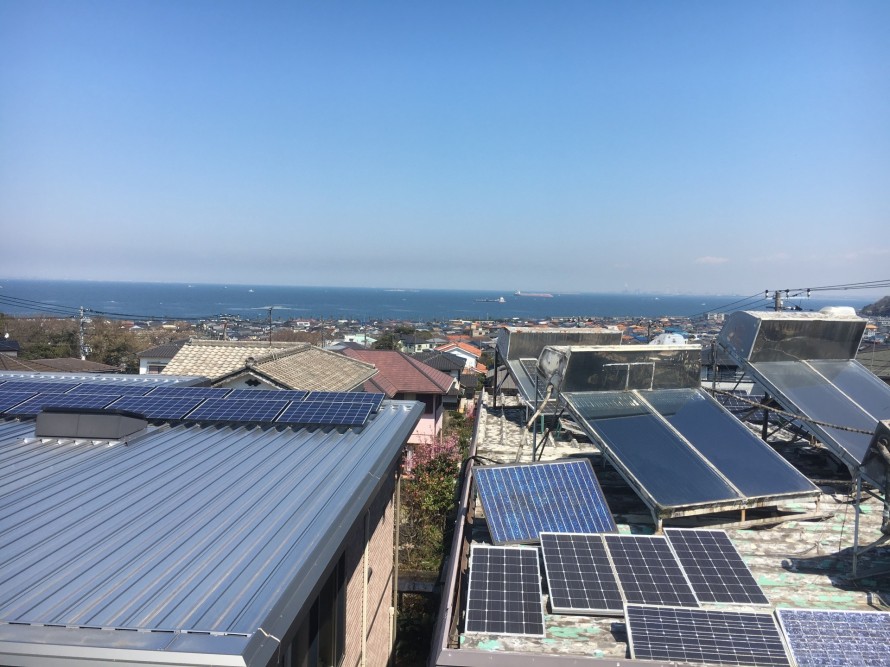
(379, 588)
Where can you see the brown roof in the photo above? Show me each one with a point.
(63, 365)
(287, 365)
(399, 373)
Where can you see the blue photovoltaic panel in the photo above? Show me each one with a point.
(108, 388)
(837, 638)
(521, 501)
(702, 636)
(191, 392)
(580, 577)
(714, 567)
(374, 399)
(267, 394)
(648, 571)
(321, 413)
(227, 410)
(504, 594)
(157, 407)
(39, 387)
(9, 399)
(42, 401)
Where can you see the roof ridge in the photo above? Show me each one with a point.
(422, 368)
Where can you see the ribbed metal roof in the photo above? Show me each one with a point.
(185, 529)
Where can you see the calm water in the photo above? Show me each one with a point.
(170, 300)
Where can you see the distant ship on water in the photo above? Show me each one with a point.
(540, 295)
(500, 299)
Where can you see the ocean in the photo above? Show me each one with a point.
(165, 301)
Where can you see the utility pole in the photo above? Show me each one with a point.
(270, 325)
(82, 326)
(777, 296)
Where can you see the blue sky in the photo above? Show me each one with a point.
(584, 146)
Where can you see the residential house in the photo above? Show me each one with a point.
(412, 344)
(404, 378)
(9, 347)
(469, 353)
(193, 544)
(153, 360)
(254, 365)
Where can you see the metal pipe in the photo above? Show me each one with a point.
(856, 522)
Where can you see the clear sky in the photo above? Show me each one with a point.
(565, 146)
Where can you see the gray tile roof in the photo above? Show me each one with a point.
(287, 365)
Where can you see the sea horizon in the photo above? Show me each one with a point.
(161, 300)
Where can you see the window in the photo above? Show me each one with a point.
(155, 369)
(321, 640)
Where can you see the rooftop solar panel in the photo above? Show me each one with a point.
(714, 567)
(374, 398)
(157, 407)
(227, 410)
(580, 577)
(704, 636)
(321, 413)
(9, 399)
(39, 387)
(267, 394)
(648, 572)
(521, 501)
(837, 638)
(801, 389)
(120, 388)
(649, 450)
(749, 464)
(504, 594)
(42, 401)
(191, 392)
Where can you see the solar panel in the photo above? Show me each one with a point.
(649, 450)
(191, 392)
(9, 399)
(267, 394)
(41, 401)
(714, 567)
(157, 407)
(798, 387)
(374, 398)
(698, 635)
(504, 595)
(521, 501)
(837, 638)
(580, 577)
(320, 413)
(108, 388)
(749, 464)
(226, 410)
(39, 387)
(648, 571)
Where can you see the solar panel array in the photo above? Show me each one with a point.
(34, 405)
(580, 577)
(157, 407)
(521, 501)
(20, 398)
(714, 567)
(648, 571)
(837, 638)
(226, 410)
(698, 635)
(504, 595)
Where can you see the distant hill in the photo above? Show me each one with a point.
(880, 307)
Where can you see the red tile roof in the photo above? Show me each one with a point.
(466, 347)
(399, 373)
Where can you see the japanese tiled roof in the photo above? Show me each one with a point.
(287, 365)
(399, 373)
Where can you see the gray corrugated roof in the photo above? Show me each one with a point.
(186, 529)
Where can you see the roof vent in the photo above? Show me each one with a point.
(78, 423)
